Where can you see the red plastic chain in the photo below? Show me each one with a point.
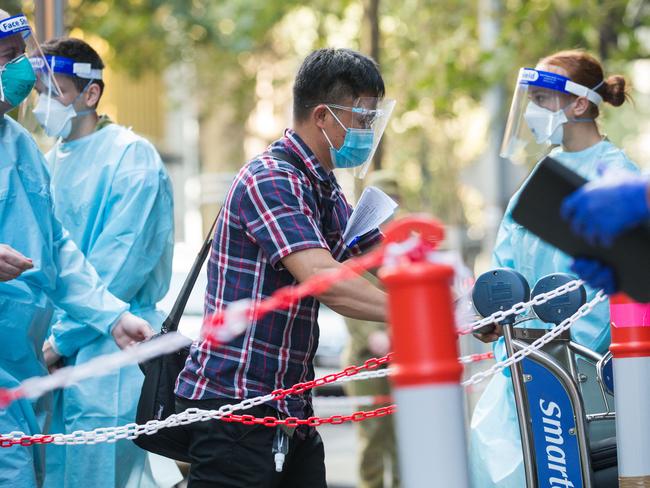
(311, 421)
(475, 358)
(297, 389)
(25, 441)
(300, 388)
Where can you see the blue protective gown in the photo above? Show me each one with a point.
(111, 191)
(495, 443)
(60, 275)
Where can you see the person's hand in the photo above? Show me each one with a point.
(50, 356)
(596, 274)
(130, 329)
(601, 210)
(12, 263)
(379, 343)
(489, 333)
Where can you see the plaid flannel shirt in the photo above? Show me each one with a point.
(272, 210)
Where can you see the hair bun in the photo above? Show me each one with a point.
(614, 90)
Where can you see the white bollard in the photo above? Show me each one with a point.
(426, 382)
(631, 350)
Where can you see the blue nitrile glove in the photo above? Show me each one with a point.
(599, 211)
(596, 274)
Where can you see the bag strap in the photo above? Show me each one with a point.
(289, 157)
(293, 159)
(171, 322)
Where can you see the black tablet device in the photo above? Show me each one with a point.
(538, 209)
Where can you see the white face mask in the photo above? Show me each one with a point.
(54, 117)
(546, 126)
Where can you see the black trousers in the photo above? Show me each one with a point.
(233, 455)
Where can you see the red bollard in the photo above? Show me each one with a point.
(631, 350)
(430, 414)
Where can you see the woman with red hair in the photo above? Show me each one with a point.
(554, 112)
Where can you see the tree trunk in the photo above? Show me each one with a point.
(371, 44)
(607, 36)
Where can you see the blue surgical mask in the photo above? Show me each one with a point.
(356, 148)
(17, 78)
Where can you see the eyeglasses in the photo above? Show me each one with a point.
(364, 117)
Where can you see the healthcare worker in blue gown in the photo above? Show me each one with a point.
(59, 273)
(555, 104)
(112, 193)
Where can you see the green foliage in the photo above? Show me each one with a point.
(151, 34)
(433, 54)
(12, 6)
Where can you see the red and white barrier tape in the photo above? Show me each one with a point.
(226, 325)
(219, 328)
(38, 385)
(132, 430)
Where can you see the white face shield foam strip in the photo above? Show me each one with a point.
(84, 70)
(583, 91)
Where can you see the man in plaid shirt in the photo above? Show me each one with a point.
(282, 223)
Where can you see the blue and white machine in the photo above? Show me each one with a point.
(563, 392)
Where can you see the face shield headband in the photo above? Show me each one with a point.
(559, 83)
(537, 113)
(53, 116)
(70, 67)
(17, 24)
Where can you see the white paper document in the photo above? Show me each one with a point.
(372, 210)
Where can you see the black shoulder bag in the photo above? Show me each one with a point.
(157, 398)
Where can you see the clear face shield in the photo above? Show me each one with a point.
(54, 114)
(538, 114)
(22, 64)
(368, 120)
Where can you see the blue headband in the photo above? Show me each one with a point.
(553, 81)
(67, 66)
